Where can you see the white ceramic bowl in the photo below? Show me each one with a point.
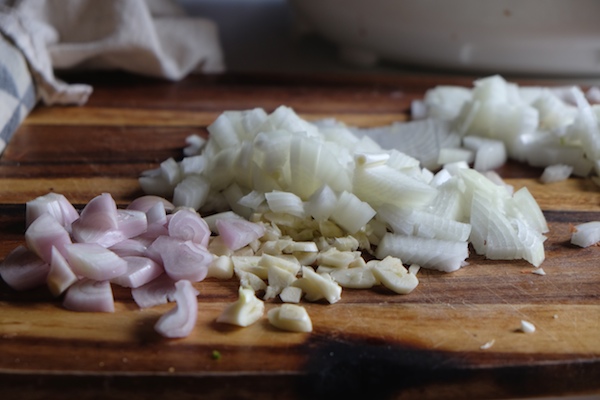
(499, 36)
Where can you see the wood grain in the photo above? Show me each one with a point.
(425, 345)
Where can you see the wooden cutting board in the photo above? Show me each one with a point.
(425, 345)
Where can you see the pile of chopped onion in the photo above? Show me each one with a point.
(325, 179)
(291, 207)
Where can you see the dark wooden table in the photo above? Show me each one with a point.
(425, 345)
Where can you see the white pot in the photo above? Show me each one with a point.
(530, 36)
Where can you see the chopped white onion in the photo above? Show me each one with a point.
(586, 234)
(556, 173)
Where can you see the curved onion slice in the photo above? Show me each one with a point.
(145, 203)
(45, 233)
(237, 233)
(22, 269)
(89, 295)
(182, 259)
(94, 261)
(130, 247)
(180, 320)
(189, 225)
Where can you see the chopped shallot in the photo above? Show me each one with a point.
(22, 269)
(60, 276)
(237, 233)
(180, 320)
(182, 259)
(140, 270)
(93, 261)
(90, 295)
(188, 225)
(156, 292)
(45, 233)
(54, 204)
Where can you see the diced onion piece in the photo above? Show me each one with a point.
(290, 317)
(556, 173)
(195, 144)
(157, 214)
(351, 213)
(453, 155)
(185, 224)
(180, 321)
(245, 311)
(170, 171)
(45, 233)
(145, 203)
(382, 184)
(191, 192)
(211, 220)
(101, 212)
(140, 270)
(90, 296)
(321, 203)
(93, 261)
(530, 210)
(586, 234)
(130, 247)
(316, 286)
(156, 292)
(60, 276)
(253, 200)
(223, 132)
(237, 233)
(54, 204)
(285, 202)
(489, 153)
(182, 259)
(193, 165)
(22, 269)
(131, 223)
(442, 255)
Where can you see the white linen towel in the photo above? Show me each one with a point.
(149, 37)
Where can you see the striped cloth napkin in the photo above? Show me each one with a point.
(148, 37)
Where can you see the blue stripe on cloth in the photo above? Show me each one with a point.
(17, 87)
